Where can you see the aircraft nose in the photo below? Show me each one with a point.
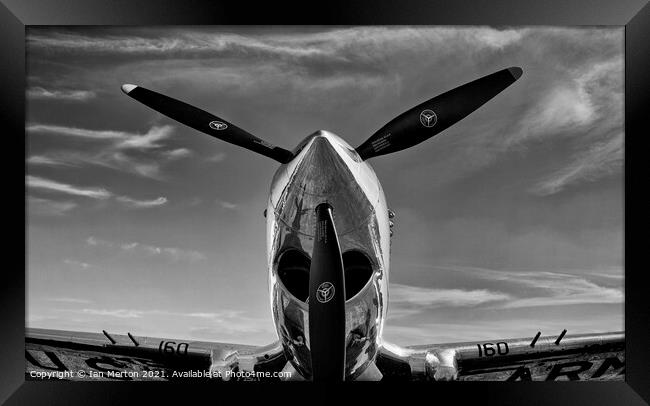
(320, 174)
(322, 167)
(321, 146)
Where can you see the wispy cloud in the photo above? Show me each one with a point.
(69, 300)
(79, 264)
(406, 299)
(360, 57)
(96, 241)
(516, 290)
(564, 289)
(218, 157)
(147, 141)
(588, 94)
(118, 150)
(149, 168)
(45, 160)
(587, 107)
(601, 159)
(79, 132)
(550, 288)
(98, 193)
(38, 92)
(177, 153)
(54, 186)
(172, 253)
(125, 140)
(176, 254)
(619, 276)
(48, 207)
(142, 204)
(139, 313)
(565, 107)
(105, 157)
(120, 313)
(226, 205)
(337, 42)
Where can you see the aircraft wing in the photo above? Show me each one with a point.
(551, 358)
(58, 354)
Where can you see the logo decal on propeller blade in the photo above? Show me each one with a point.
(218, 125)
(325, 292)
(428, 118)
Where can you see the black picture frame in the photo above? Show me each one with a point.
(15, 15)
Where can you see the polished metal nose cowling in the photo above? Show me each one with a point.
(324, 172)
(322, 176)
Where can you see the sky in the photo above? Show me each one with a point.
(508, 223)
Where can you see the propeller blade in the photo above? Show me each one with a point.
(326, 301)
(435, 115)
(205, 122)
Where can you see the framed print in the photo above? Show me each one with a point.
(215, 198)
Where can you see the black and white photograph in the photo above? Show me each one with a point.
(325, 203)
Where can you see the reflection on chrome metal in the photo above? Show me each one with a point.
(372, 373)
(425, 364)
(261, 356)
(326, 169)
(291, 317)
(441, 365)
(222, 362)
(446, 361)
